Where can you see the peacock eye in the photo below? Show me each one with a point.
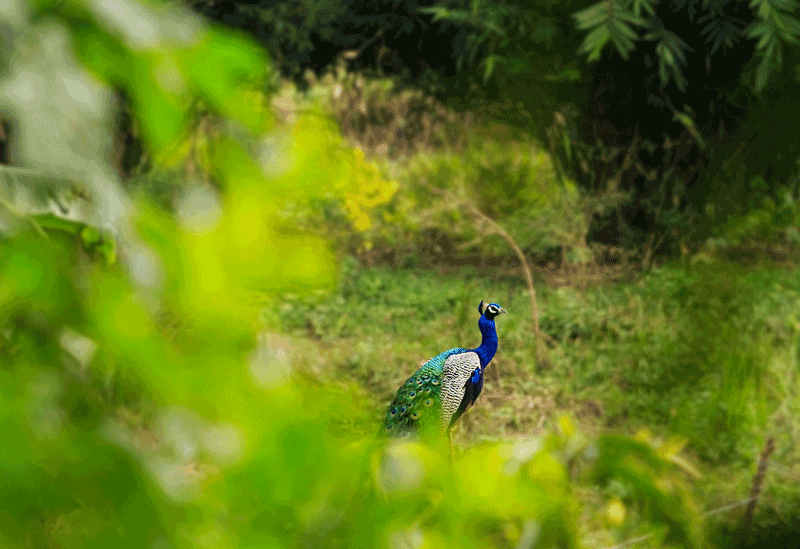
(428, 391)
(429, 402)
(434, 382)
(394, 411)
(412, 394)
(402, 409)
(415, 415)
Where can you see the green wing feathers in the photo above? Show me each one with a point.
(418, 403)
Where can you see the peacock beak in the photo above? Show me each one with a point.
(503, 311)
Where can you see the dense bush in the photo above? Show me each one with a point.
(442, 166)
(578, 76)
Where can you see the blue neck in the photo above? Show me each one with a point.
(488, 341)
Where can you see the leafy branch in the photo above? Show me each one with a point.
(670, 51)
(497, 27)
(774, 25)
(611, 21)
(721, 29)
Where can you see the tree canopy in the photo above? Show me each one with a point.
(659, 100)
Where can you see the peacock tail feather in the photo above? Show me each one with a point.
(418, 403)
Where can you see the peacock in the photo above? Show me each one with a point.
(437, 395)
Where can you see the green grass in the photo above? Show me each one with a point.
(708, 353)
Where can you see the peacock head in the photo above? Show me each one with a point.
(491, 310)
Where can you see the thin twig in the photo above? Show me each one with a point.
(452, 202)
(755, 490)
(525, 267)
(758, 482)
(631, 541)
(14, 171)
(712, 512)
(728, 507)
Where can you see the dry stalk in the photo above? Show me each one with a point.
(755, 490)
(526, 269)
(454, 202)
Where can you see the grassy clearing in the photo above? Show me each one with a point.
(708, 353)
